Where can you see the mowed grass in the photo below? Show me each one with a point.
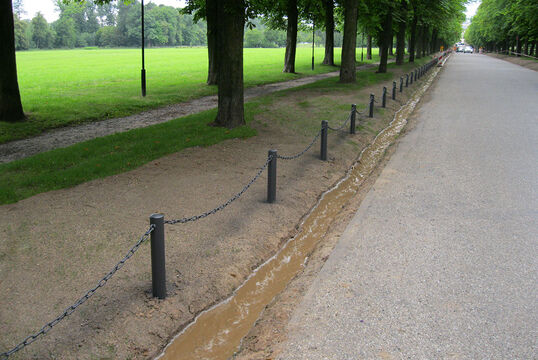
(64, 87)
(114, 154)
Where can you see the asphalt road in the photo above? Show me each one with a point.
(440, 261)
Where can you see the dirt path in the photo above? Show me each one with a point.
(63, 137)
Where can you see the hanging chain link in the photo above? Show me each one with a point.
(341, 126)
(222, 206)
(298, 155)
(71, 309)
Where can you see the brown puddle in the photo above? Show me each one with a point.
(217, 332)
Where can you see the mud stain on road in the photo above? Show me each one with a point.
(217, 332)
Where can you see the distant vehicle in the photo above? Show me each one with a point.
(460, 48)
(468, 49)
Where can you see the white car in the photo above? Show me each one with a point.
(468, 49)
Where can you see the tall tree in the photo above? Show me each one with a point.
(291, 36)
(385, 37)
(42, 35)
(230, 31)
(348, 71)
(10, 99)
(400, 37)
(211, 18)
(328, 6)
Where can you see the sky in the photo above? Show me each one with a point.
(48, 8)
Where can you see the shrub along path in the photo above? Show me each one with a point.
(63, 137)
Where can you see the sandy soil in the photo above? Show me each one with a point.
(529, 64)
(55, 246)
(63, 137)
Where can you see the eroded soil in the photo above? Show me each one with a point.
(55, 246)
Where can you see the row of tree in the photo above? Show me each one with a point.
(424, 25)
(118, 25)
(502, 25)
(110, 25)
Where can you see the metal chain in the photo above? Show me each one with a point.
(293, 157)
(222, 206)
(71, 309)
(341, 126)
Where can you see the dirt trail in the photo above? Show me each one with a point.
(63, 137)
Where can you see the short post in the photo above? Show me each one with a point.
(415, 74)
(271, 177)
(411, 78)
(401, 83)
(324, 128)
(352, 120)
(406, 80)
(372, 99)
(394, 90)
(158, 270)
(384, 100)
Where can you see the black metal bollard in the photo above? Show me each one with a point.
(406, 80)
(394, 90)
(401, 83)
(372, 99)
(411, 78)
(271, 177)
(415, 74)
(323, 151)
(158, 269)
(384, 100)
(352, 120)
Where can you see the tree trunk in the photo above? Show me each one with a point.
(433, 44)
(424, 41)
(369, 48)
(418, 44)
(211, 19)
(413, 39)
(391, 46)
(230, 23)
(386, 41)
(329, 32)
(531, 51)
(400, 37)
(518, 48)
(526, 48)
(348, 66)
(291, 37)
(10, 98)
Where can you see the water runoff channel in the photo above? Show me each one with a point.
(217, 332)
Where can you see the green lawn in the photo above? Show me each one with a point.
(62, 87)
(117, 153)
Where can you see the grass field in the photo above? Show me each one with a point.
(117, 153)
(62, 87)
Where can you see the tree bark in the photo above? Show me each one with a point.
(386, 41)
(291, 37)
(329, 32)
(369, 48)
(413, 39)
(418, 43)
(211, 19)
(391, 46)
(424, 41)
(348, 66)
(10, 98)
(400, 37)
(230, 24)
(433, 44)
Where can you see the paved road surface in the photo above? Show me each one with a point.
(440, 261)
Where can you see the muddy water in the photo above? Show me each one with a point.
(217, 332)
